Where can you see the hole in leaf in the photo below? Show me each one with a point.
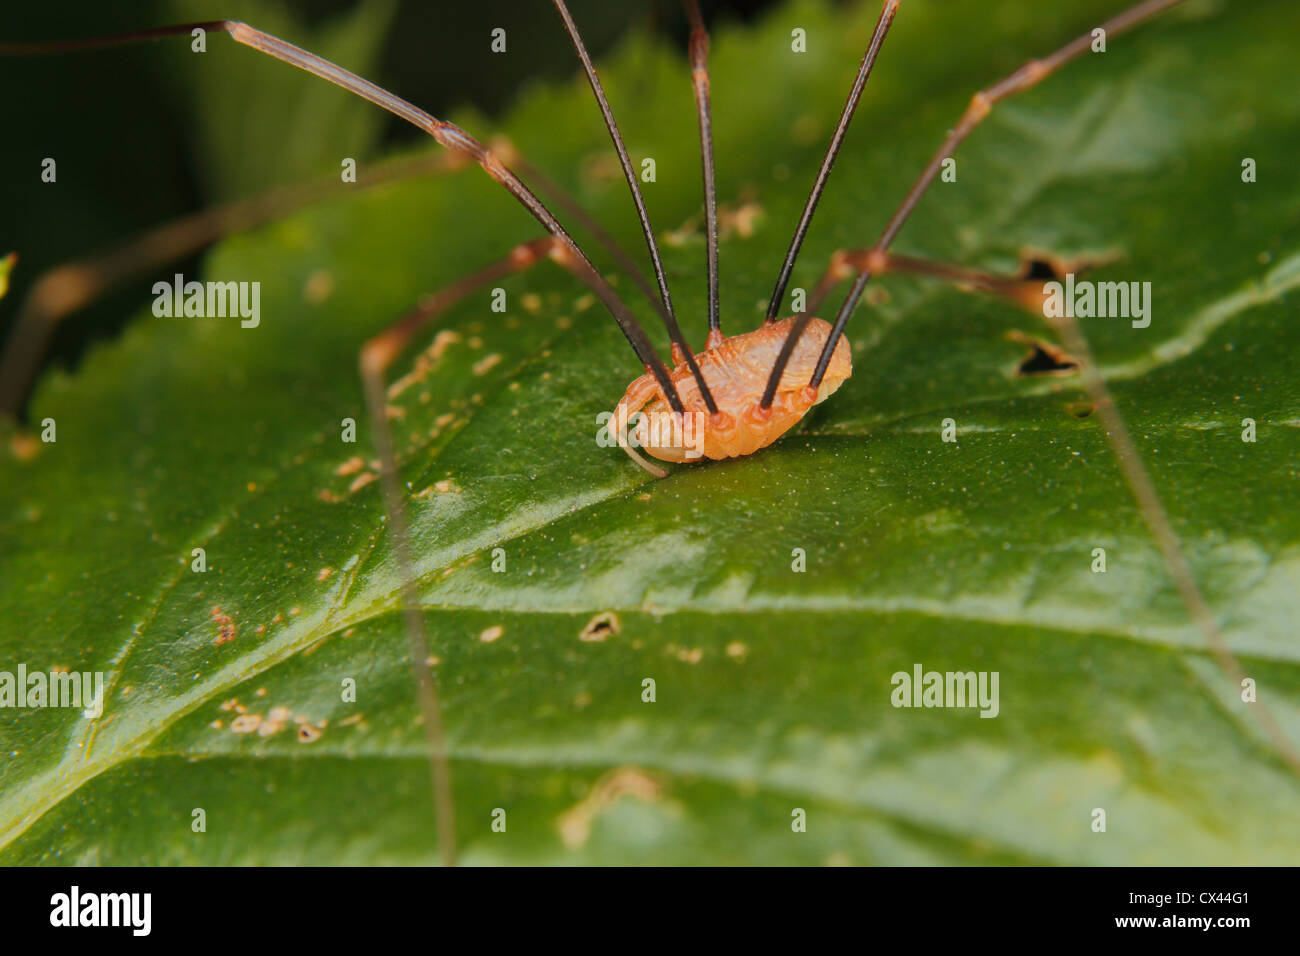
(1043, 358)
(600, 627)
(1036, 265)
(1037, 268)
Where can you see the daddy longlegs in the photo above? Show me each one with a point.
(746, 390)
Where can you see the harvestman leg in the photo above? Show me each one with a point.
(981, 105)
(64, 289)
(885, 21)
(883, 24)
(1117, 434)
(447, 135)
(379, 352)
(847, 263)
(681, 351)
(374, 360)
(699, 52)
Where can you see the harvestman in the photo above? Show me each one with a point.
(747, 390)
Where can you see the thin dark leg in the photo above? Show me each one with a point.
(982, 103)
(619, 147)
(1117, 435)
(564, 199)
(448, 135)
(378, 353)
(787, 347)
(66, 288)
(699, 46)
(823, 174)
(669, 317)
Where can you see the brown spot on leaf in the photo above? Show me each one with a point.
(245, 723)
(739, 219)
(350, 467)
(426, 362)
(319, 287)
(25, 446)
(226, 630)
(575, 823)
(600, 627)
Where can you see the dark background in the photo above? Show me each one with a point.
(132, 111)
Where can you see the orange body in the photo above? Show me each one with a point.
(736, 370)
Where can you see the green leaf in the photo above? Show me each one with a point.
(773, 687)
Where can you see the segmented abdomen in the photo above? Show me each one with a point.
(737, 371)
